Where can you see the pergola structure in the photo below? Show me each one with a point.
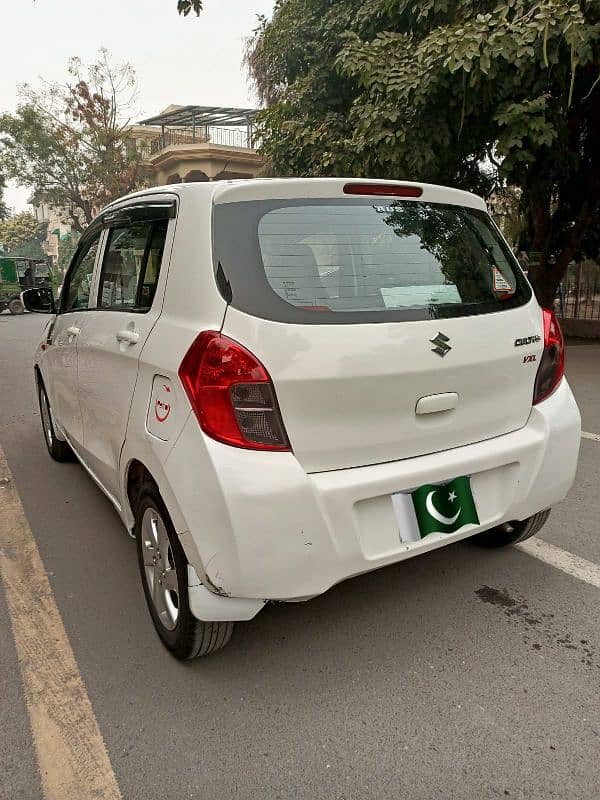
(200, 118)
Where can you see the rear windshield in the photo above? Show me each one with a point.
(355, 260)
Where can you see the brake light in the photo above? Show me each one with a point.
(231, 394)
(552, 365)
(383, 189)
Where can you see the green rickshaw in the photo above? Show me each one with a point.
(17, 274)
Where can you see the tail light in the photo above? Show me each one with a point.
(552, 365)
(231, 394)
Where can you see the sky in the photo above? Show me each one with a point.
(178, 60)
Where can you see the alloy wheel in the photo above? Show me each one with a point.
(159, 569)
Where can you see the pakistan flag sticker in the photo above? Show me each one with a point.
(444, 508)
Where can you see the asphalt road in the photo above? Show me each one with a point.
(460, 674)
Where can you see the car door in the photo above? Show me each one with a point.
(61, 352)
(112, 339)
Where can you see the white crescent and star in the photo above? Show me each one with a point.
(433, 512)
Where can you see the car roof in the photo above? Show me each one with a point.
(238, 190)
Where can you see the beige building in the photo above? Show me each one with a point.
(55, 218)
(186, 144)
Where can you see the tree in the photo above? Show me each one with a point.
(3, 207)
(19, 230)
(481, 95)
(66, 249)
(186, 6)
(69, 140)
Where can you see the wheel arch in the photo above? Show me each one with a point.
(135, 474)
(39, 379)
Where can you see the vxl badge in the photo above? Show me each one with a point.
(442, 348)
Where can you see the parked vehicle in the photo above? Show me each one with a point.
(281, 384)
(17, 274)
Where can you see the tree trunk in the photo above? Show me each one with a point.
(547, 275)
(546, 278)
(88, 211)
(577, 203)
(540, 239)
(75, 223)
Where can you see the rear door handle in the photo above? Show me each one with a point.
(130, 337)
(72, 331)
(434, 403)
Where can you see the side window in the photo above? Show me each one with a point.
(151, 272)
(79, 280)
(131, 266)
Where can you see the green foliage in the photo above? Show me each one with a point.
(69, 141)
(3, 207)
(186, 6)
(66, 248)
(479, 95)
(19, 230)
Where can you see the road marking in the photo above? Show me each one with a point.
(595, 437)
(573, 565)
(72, 756)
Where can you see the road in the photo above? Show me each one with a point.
(462, 674)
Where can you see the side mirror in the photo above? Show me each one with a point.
(40, 300)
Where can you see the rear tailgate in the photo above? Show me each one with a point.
(348, 394)
(389, 331)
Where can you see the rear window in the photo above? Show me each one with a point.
(355, 260)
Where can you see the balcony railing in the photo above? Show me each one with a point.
(226, 136)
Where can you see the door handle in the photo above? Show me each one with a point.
(434, 403)
(130, 337)
(73, 330)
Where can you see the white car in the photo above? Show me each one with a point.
(280, 384)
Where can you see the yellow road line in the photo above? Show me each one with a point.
(71, 753)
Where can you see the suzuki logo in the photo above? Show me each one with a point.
(442, 347)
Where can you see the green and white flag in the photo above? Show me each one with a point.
(444, 508)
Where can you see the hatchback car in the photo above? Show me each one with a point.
(280, 384)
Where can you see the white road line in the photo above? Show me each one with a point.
(72, 756)
(595, 437)
(573, 565)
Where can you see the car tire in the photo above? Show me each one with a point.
(164, 574)
(513, 532)
(58, 449)
(15, 306)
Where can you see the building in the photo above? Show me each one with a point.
(56, 220)
(187, 144)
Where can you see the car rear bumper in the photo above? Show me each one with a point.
(258, 526)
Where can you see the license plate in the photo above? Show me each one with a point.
(444, 507)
